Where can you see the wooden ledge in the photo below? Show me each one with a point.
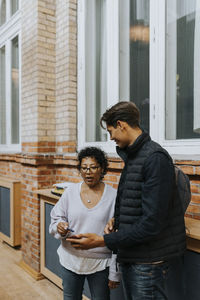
(192, 228)
(193, 234)
(4, 179)
(85, 298)
(47, 193)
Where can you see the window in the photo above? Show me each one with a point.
(134, 55)
(174, 76)
(10, 78)
(14, 6)
(95, 67)
(144, 51)
(113, 58)
(3, 96)
(7, 9)
(15, 92)
(98, 66)
(182, 70)
(2, 12)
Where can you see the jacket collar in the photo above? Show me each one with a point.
(135, 147)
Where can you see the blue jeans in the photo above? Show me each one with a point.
(145, 281)
(73, 285)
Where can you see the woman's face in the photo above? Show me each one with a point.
(90, 171)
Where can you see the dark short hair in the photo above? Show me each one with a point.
(96, 153)
(122, 111)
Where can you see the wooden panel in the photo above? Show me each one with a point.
(193, 245)
(5, 210)
(193, 234)
(51, 244)
(43, 268)
(192, 228)
(11, 234)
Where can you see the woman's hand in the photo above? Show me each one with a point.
(110, 226)
(62, 228)
(113, 284)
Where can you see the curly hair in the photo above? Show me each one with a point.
(95, 153)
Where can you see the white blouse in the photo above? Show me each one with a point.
(81, 219)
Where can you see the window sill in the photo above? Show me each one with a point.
(186, 157)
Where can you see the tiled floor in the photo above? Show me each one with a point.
(16, 284)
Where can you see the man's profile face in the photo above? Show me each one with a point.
(118, 135)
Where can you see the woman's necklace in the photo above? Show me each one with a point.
(91, 198)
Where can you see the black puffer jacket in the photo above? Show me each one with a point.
(168, 239)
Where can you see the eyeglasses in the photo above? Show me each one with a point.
(92, 169)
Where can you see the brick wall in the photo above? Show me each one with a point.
(48, 113)
(192, 169)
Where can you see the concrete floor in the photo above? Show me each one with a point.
(16, 284)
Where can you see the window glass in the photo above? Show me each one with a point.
(2, 11)
(95, 68)
(14, 6)
(15, 93)
(182, 69)
(134, 55)
(2, 97)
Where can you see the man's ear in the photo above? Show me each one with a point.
(121, 124)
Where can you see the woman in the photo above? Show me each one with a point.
(86, 207)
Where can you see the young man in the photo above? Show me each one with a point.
(147, 231)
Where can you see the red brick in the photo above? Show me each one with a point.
(110, 178)
(197, 171)
(195, 209)
(196, 199)
(196, 217)
(115, 186)
(195, 188)
(189, 170)
(187, 162)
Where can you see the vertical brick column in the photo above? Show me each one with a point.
(46, 63)
(66, 75)
(29, 80)
(38, 75)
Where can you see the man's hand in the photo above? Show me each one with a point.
(86, 241)
(110, 226)
(113, 284)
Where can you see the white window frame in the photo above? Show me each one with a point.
(8, 31)
(112, 70)
(157, 85)
(157, 79)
